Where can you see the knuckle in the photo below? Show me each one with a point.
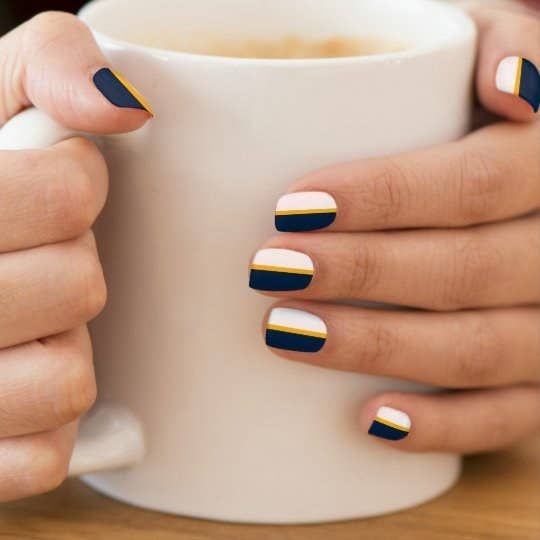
(473, 264)
(378, 349)
(440, 437)
(52, 35)
(77, 389)
(481, 186)
(530, 25)
(50, 18)
(364, 271)
(476, 359)
(47, 31)
(496, 429)
(69, 195)
(89, 294)
(51, 23)
(386, 194)
(48, 467)
(536, 397)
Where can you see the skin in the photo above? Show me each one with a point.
(453, 234)
(51, 281)
(465, 211)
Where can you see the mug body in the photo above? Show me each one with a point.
(233, 432)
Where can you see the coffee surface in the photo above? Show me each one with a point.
(290, 47)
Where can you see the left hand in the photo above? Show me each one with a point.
(462, 244)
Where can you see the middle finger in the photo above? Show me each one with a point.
(490, 175)
(486, 266)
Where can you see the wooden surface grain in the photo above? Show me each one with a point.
(498, 498)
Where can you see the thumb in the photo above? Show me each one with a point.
(508, 79)
(53, 62)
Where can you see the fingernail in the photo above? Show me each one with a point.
(305, 211)
(295, 330)
(390, 424)
(520, 77)
(280, 270)
(119, 91)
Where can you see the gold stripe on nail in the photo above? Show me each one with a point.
(133, 91)
(283, 269)
(518, 76)
(295, 331)
(315, 211)
(390, 424)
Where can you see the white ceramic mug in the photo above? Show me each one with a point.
(230, 431)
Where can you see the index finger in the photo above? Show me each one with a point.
(490, 175)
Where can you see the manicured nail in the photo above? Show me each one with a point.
(520, 77)
(295, 330)
(390, 424)
(305, 211)
(119, 91)
(280, 270)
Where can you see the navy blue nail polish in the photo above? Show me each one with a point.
(119, 91)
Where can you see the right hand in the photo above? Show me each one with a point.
(51, 281)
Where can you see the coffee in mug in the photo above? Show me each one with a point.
(287, 47)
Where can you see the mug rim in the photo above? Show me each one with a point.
(466, 32)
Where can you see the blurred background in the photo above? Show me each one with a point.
(14, 12)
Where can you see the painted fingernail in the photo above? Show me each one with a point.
(520, 77)
(295, 330)
(390, 424)
(119, 91)
(280, 270)
(305, 211)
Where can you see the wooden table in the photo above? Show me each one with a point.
(497, 498)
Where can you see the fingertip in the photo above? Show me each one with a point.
(114, 120)
(66, 75)
(518, 82)
(499, 86)
(102, 105)
(118, 91)
(384, 419)
(508, 80)
(293, 333)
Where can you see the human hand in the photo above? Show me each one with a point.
(453, 230)
(51, 282)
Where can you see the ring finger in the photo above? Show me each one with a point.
(456, 350)
(64, 280)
